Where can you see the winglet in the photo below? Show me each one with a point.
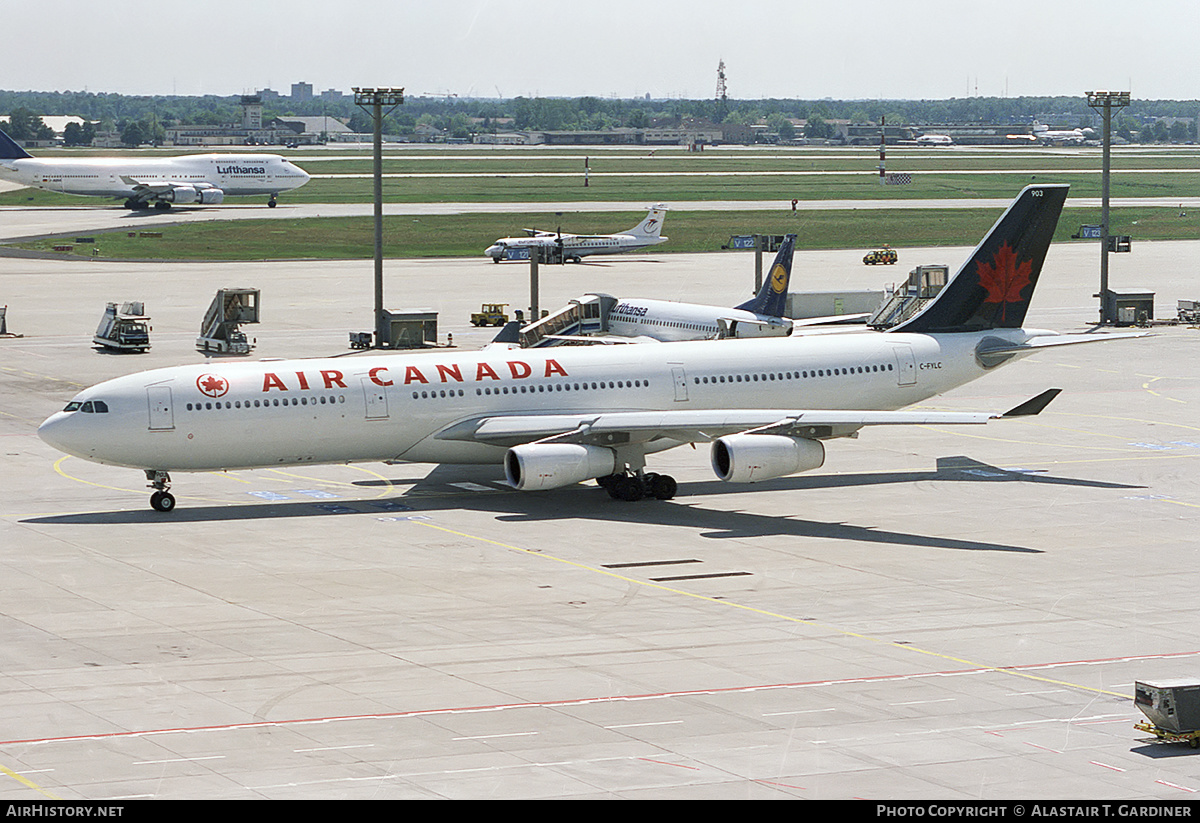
(1034, 405)
(771, 299)
(511, 333)
(9, 150)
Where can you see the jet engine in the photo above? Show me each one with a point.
(180, 194)
(536, 466)
(748, 458)
(206, 196)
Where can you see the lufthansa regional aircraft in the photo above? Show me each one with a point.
(670, 321)
(201, 179)
(574, 247)
(556, 417)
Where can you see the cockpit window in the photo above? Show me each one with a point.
(87, 407)
(72, 406)
(100, 406)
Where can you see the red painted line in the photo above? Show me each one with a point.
(261, 724)
(665, 763)
(1175, 786)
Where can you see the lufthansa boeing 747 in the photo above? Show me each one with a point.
(143, 182)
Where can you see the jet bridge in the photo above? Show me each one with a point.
(220, 332)
(584, 316)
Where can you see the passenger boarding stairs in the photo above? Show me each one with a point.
(584, 317)
(219, 333)
(903, 302)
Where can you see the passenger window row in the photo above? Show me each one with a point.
(797, 375)
(534, 388)
(269, 403)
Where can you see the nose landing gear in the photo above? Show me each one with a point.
(162, 500)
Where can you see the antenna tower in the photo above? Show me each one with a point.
(722, 98)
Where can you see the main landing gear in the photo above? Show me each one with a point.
(638, 486)
(162, 500)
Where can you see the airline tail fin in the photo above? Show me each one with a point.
(771, 299)
(9, 150)
(993, 288)
(652, 225)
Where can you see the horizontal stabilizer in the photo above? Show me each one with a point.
(993, 351)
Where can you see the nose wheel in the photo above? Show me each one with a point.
(162, 500)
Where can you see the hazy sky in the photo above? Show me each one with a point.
(667, 48)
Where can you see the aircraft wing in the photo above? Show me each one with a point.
(149, 187)
(600, 339)
(832, 319)
(701, 426)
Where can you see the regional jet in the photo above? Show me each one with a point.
(557, 417)
(200, 179)
(574, 247)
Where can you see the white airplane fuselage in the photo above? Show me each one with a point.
(393, 407)
(575, 245)
(233, 174)
(671, 321)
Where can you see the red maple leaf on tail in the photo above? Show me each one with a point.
(1005, 278)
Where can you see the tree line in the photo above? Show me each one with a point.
(146, 117)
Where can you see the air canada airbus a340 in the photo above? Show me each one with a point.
(555, 417)
(143, 182)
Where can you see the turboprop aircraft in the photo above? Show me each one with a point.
(200, 179)
(556, 417)
(574, 247)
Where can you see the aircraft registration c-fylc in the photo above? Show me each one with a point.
(560, 416)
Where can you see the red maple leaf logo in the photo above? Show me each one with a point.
(1005, 278)
(212, 385)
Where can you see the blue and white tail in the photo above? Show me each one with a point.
(993, 288)
(652, 225)
(9, 150)
(771, 299)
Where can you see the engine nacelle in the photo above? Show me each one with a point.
(536, 466)
(749, 458)
(180, 194)
(211, 197)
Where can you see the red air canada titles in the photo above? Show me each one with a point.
(437, 373)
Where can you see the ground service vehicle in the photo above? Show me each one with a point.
(490, 314)
(885, 255)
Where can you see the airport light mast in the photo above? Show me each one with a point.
(1106, 101)
(372, 101)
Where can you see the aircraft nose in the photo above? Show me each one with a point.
(61, 431)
